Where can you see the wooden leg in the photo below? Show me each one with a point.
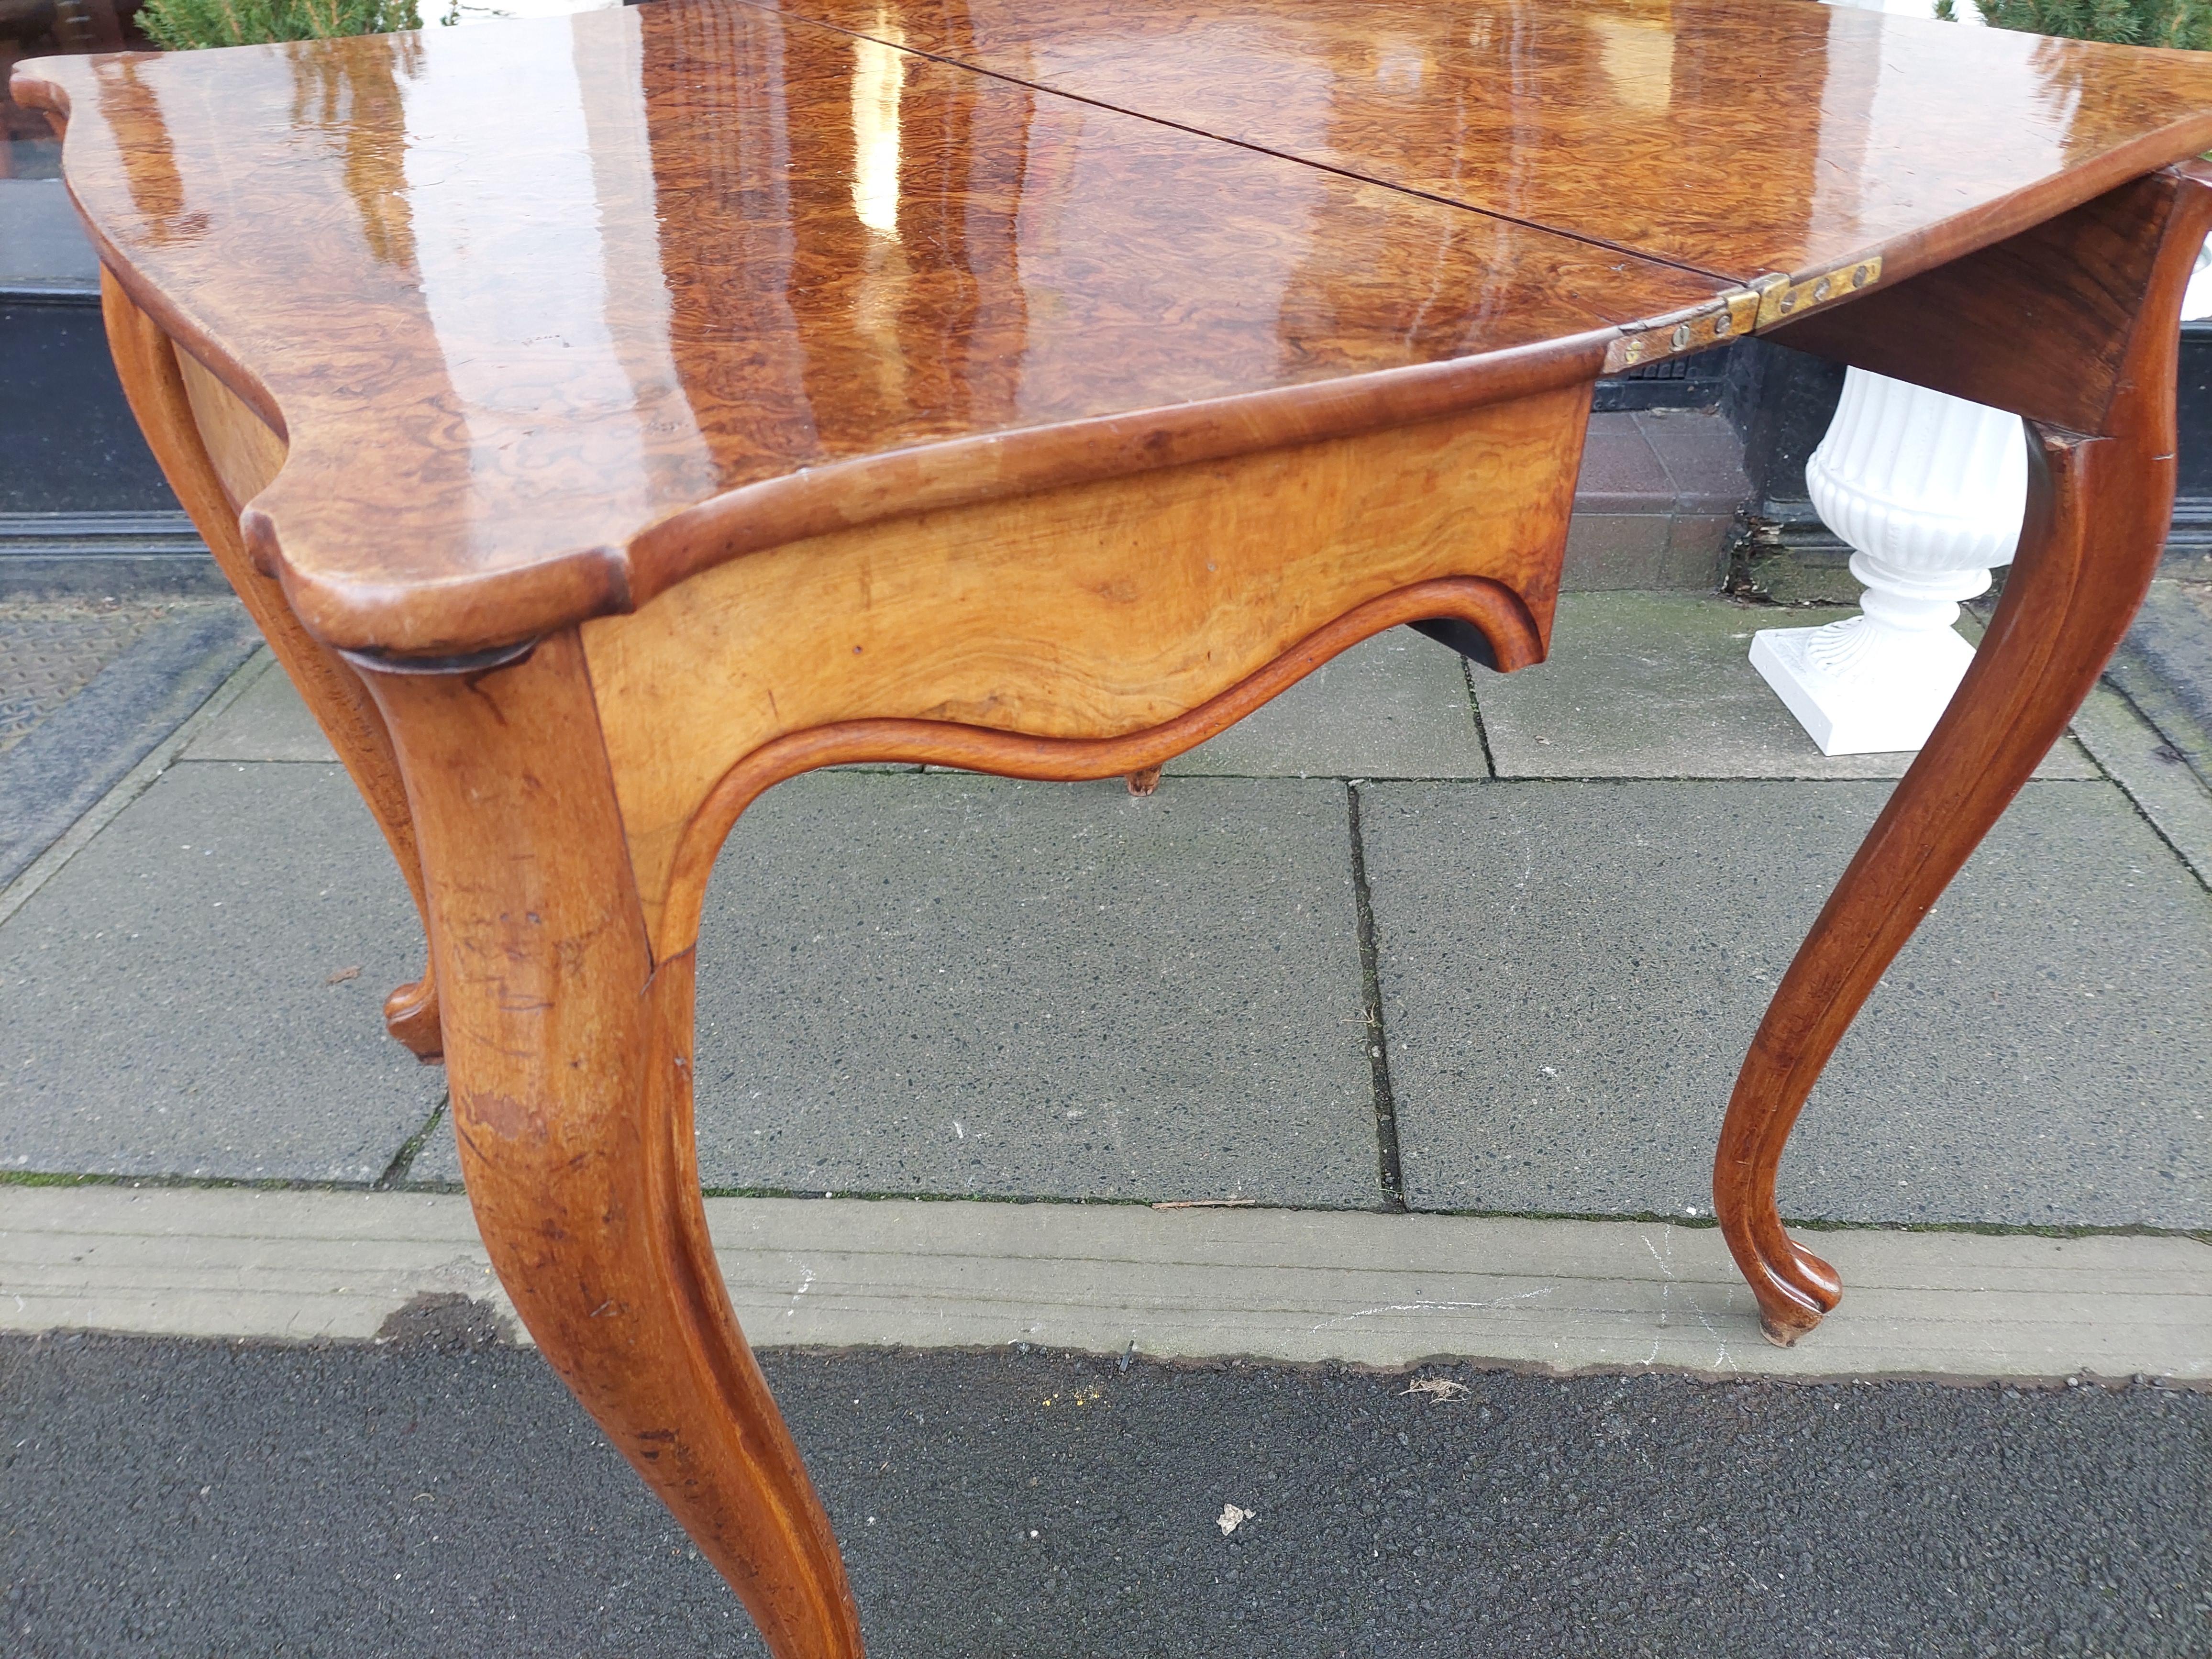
(2069, 599)
(154, 381)
(570, 1050)
(1144, 780)
(2097, 514)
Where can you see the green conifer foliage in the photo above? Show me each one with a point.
(181, 25)
(2183, 23)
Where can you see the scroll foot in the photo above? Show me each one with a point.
(1795, 1293)
(411, 1014)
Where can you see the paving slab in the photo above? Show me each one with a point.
(1656, 501)
(1570, 974)
(946, 983)
(267, 722)
(2165, 666)
(2157, 776)
(198, 992)
(51, 649)
(1661, 685)
(1702, 457)
(949, 983)
(1189, 1284)
(87, 739)
(1396, 706)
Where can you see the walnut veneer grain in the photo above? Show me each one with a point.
(569, 1047)
(1737, 137)
(1093, 611)
(727, 281)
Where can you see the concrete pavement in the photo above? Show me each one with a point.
(1193, 1283)
(939, 984)
(88, 691)
(934, 984)
(1409, 939)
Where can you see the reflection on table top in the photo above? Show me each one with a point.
(29, 150)
(518, 294)
(1738, 136)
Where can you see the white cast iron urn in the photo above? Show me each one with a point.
(1928, 490)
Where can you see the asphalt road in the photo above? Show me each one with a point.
(431, 1498)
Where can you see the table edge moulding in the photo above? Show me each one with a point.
(562, 636)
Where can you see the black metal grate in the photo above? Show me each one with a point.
(1691, 382)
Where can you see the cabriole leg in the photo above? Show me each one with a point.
(569, 1052)
(153, 379)
(2105, 284)
(2058, 622)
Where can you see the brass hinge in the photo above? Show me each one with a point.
(1712, 324)
(1779, 298)
(1769, 300)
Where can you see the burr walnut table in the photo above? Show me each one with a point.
(605, 418)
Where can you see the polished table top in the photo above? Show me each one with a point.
(1736, 138)
(552, 314)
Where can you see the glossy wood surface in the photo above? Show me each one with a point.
(727, 280)
(732, 279)
(1054, 437)
(1738, 136)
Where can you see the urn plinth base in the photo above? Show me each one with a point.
(1886, 701)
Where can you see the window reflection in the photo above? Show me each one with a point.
(878, 78)
(354, 100)
(351, 100)
(1638, 56)
(41, 28)
(551, 298)
(149, 165)
(699, 246)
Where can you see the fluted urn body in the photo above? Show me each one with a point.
(1928, 490)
